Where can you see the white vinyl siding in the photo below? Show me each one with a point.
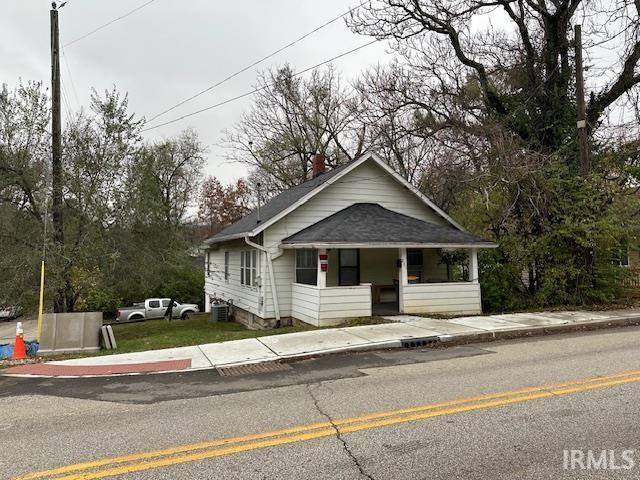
(248, 267)
(305, 303)
(284, 272)
(243, 296)
(366, 183)
(330, 306)
(461, 298)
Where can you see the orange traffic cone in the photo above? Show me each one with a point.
(19, 348)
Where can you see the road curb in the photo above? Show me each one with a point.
(437, 341)
(451, 340)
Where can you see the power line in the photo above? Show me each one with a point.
(73, 85)
(108, 23)
(233, 75)
(256, 90)
(65, 100)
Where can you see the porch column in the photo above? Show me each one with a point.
(473, 265)
(322, 275)
(207, 302)
(403, 278)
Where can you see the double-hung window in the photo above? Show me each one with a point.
(307, 266)
(248, 267)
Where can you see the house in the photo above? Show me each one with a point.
(353, 241)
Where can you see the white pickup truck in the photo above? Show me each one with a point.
(154, 308)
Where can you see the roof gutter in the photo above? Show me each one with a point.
(294, 245)
(235, 236)
(274, 292)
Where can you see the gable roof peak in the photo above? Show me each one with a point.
(292, 198)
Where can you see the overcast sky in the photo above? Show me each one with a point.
(169, 50)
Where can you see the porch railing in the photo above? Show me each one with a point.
(330, 305)
(445, 298)
(631, 278)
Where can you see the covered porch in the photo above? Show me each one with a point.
(367, 260)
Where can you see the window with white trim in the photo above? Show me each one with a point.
(307, 266)
(621, 256)
(248, 267)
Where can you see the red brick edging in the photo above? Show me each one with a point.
(58, 370)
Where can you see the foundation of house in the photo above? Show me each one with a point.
(254, 322)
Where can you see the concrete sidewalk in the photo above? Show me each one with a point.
(405, 331)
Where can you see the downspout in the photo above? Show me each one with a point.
(274, 293)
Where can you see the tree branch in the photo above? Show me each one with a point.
(627, 79)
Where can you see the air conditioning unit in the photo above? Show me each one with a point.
(219, 313)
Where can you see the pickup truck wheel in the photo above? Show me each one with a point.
(185, 316)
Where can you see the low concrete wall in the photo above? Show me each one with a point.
(70, 332)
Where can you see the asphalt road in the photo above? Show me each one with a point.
(503, 410)
(8, 329)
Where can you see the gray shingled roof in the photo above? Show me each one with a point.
(372, 223)
(276, 205)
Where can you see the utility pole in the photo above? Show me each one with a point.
(56, 147)
(583, 134)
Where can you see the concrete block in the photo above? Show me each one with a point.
(112, 337)
(70, 332)
(104, 338)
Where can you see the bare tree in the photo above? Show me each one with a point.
(291, 119)
(518, 70)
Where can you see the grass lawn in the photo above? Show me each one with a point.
(156, 334)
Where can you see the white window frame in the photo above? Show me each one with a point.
(208, 261)
(314, 254)
(625, 256)
(249, 267)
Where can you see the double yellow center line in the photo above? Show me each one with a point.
(138, 462)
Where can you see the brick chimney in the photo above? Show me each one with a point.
(318, 165)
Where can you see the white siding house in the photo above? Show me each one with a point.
(351, 242)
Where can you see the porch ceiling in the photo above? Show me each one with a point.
(369, 225)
